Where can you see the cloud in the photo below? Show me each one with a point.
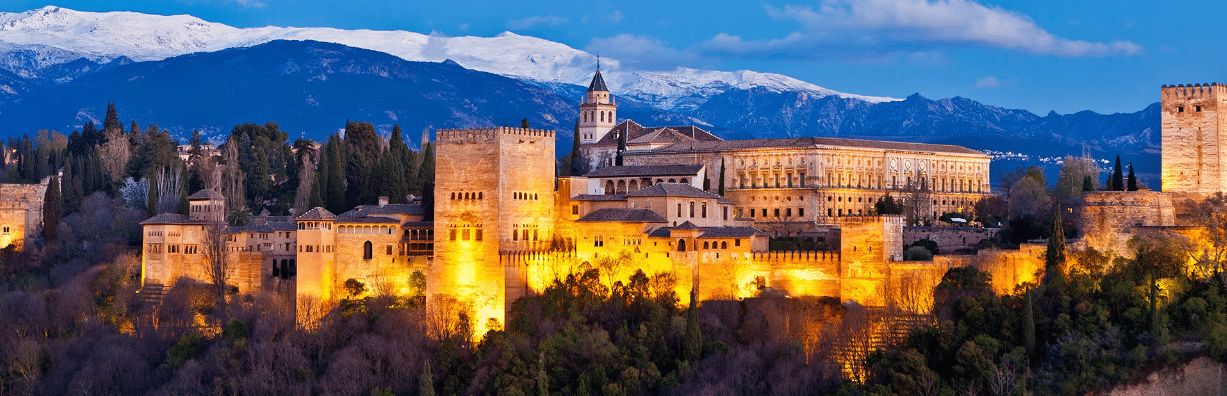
(986, 82)
(249, 3)
(874, 28)
(614, 17)
(642, 52)
(534, 21)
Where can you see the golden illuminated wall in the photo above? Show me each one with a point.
(316, 260)
(497, 183)
(866, 244)
(21, 212)
(1194, 150)
(384, 271)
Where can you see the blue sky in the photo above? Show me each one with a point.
(1067, 56)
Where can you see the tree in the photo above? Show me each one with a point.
(1088, 183)
(721, 184)
(1211, 214)
(1118, 178)
(52, 209)
(1054, 257)
(217, 264)
(111, 123)
(1157, 255)
(621, 148)
(1133, 180)
(694, 340)
(524, 123)
(305, 150)
(1028, 198)
(918, 205)
(888, 206)
(426, 384)
(1071, 180)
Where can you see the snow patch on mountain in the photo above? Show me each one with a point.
(34, 39)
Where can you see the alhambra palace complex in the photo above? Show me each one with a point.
(505, 225)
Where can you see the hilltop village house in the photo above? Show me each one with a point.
(505, 226)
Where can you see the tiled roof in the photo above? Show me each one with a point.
(598, 83)
(591, 197)
(283, 225)
(677, 190)
(171, 218)
(418, 224)
(687, 225)
(317, 213)
(265, 228)
(646, 170)
(624, 215)
(205, 194)
(399, 209)
(634, 132)
(724, 145)
(711, 232)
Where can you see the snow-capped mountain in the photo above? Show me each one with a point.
(33, 40)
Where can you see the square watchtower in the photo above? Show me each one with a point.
(1194, 138)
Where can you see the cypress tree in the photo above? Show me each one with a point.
(524, 123)
(1054, 258)
(52, 209)
(335, 197)
(721, 184)
(1133, 180)
(694, 341)
(151, 208)
(543, 388)
(426, 384)
(1087, 184)
(1118, 178)
(1029, 324)
(621, 148)
(578, 165)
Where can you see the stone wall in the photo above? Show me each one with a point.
(21, 213)
(949, 239)
(1107, 219)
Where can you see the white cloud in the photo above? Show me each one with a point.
(534, 21)
(250, 3)
(869, 28)
(614, 17)
(642, 52)
(987, 82)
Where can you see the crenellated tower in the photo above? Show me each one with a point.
(598, 112)
(1194, 142)
(494, 193)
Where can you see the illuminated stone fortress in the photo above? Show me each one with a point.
(505, 226)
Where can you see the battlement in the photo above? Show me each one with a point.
(1192, 91)
(487, 134)
(794, 256)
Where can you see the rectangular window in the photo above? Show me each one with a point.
(704, 210)
(389, 249)
(737, 242)
(800, 212)
(777, 212)
(525, 234)
(765, 212)
(515, 235)
(534, 235)
(451, 235)
(726, 212)
(679, 210)
(574, 209)
(751, 213)
(478, 235)
(788, 212)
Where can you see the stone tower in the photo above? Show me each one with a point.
(1194, 138)
(494, 193)
(597, 113)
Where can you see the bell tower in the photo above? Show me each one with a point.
(597, 113)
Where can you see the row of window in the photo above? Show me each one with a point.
(623, 187)
(773, 182)
(775, 213)
(468, 195)
(524, 195)
(315, 248)
(464, 234)
(172, 248)
(590, 117)
(314, 225)
(681, 245)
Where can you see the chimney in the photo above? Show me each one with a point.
(383, 201)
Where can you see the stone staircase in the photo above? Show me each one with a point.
(151, 295)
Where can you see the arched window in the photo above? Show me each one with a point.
(367, 250)
(705, 245)
(609, 187)
(277, 270)
(724, 245)
(621, 186)
(681, 245)
(633, 186)
(453, 195)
